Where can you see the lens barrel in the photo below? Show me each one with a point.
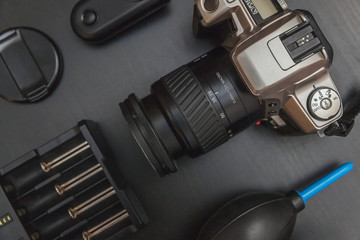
(191, 111)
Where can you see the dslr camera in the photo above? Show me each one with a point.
(272, 66)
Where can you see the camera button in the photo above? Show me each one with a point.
(273, 104)
(326, 104)
(211, 5)
(88, 17)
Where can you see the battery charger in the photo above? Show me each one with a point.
(67, 189)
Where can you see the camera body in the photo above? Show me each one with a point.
(272, 67)
(282, 57)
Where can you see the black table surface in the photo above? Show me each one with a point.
(96, 78)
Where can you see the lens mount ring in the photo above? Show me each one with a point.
(146, 137)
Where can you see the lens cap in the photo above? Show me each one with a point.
(29, 65)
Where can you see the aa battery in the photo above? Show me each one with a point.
(52, 225)
(24, 178)
(37, 202)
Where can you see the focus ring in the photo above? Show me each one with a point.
(186, 91)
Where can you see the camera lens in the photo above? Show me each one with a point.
(191, 111)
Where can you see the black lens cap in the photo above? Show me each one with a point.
(30, 65)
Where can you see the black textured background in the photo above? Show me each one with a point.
(97, 78)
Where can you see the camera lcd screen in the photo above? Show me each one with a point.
(266, 8)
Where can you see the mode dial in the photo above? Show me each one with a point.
(324, 103)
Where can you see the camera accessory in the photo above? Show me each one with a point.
(264, 216)
(30, 65)
(67, 189)
(191, 111)
(272, 67)
(96, 21)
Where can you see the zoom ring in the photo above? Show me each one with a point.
(196, 108)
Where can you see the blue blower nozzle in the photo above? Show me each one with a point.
(324, 182)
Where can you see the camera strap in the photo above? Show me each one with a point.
(344, 125)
